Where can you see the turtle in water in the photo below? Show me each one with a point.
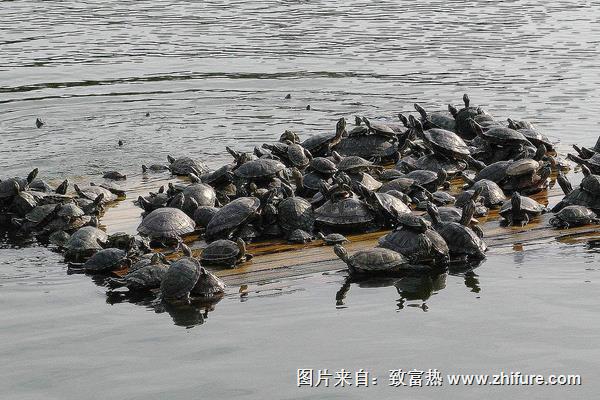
(572, 216)
(181, 278)
(106, 260)
(185, 165)
(462, 241)
(225, 253)
(143, 278)
(84, 243)
(114, 175)
(320, 145)
(166, 224)
(372, 261)
(520, 209)
(332, 238)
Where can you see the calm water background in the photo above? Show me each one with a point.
(215, 73)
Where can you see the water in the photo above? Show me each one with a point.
(215, 74)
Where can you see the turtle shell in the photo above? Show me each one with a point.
(334, 238)
(315, 143)
(85, 242)
(388, 202)
(220, 252)
(263, 168)
(24, 203)
(231, 216)
(461, 240)
(166, 222)
(208, 285)
(423, 177)
(400, 184)
(70, 210)
(437, 163)
(344, 214)
(105, 260)
(573, 216)
(390, 174)
(353, 163)
(582, 198)
(203, 215)
(202, 193)
(180, 279)
(41, 214)
(323, 165)
(186, 165)
(366, 180)
(417, 247)
(377, 260)
(9, 188)
(504, 136)
(296, 155)
(447, 143)
(495, 172)
(92, 192)
(591, 184)
(528, 205)
(146, 277)
(218, 176)
(299, 236)
(522, 167)
(312, 181)
(296, 213)
(491, 193)
(369, 146)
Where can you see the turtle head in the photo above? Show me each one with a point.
(62, 188)
(144, 168)
(466, 100)
(337, 157)
(32, 175)
(403, 120)
(512, 124)
(340, 127)
(540, 152)
(416, 125)
(515, 202)
(564, 183)
(468, 211)
(185, 249)
(452, 110)
(341, 252)
(476, 193)
(585, 170)
(421, 111)
(241, 246)
(357, 120)
(433, 212)
(170, 159)
(476, 127)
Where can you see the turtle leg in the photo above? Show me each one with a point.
(525, 220)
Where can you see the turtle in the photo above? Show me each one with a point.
(523, 174)
(262, 169)
(462, 241)
(91, 193)
(203, 215)
(415, 239)
(372, 261)
(299, 236)
(495, 172)
(402, 184)
(365, 180)
(436, 120)
(114, 175)
(332, 238)
(592, 163)
(295, 213)
(587, 194)
(117, 191)
(379, 128)
(289, 135)
(38, 217)
(220, 176)
(180, 279)
(474, 195)
(84, 243)
(520, 209)
(462, 116)
(153, 201)
(8, 189)
(390, 174)
(40, 185)
(225, 253)
(209, 286)
(383, 204)
(528, 130)
(63, 187)
(349, 214)
(436, 162)
(145, 277)
(492, 195)
(154, 168)
(23, 203)
(166, 224)
(428, 179)
(375, 147)
(320, 144)
(106, 260)
(323, 166)
(500, 135)
(297, 155)
(441, 198)
(186, 165)
(231, 217)
(590, 182)
(198, 194)
(572, 216)
(353, 164)
(59, 238)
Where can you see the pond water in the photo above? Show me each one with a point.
(215, 73)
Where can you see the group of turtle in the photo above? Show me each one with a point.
(327, 185)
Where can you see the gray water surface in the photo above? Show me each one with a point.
(215, 73)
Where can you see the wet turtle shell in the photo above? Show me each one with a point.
(379, 128)
(9, 188)
(84, 243)
(40, 186)
(105, 260)
(180, 279)
(224, 252)
(366, 180)
(461, 240)
(446, 143)
(185, 165)
(372, 261)
(502, 135)
(495, 172)
(219, 176)
(579, 197)
(349, 213)
(92, 192)
(323, 165)
(261, 169)
(491, 193)
(297, 155)
(70, 210)
(528, 208)
(231, 216)
(333, 238)
(23, 203)
(436, 120)
(202, 194)
(418, 247)
(295, 213)
(147, 277)
(299, 236)
(208, 285)
(403, 185)
(462, 117)
(390, 174)
(166, 223)
(428, 179)
(572, 216)
(203, 215)
(41, 215)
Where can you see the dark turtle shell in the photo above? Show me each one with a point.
(186, 165)
(418, 247)
(9, 188)
(85, 242)
(92, 193)
(208, 285)
(180, 279)
(323, 165)
(374, 261)
(149, 276)
(446, 143)
(299, 236)
(400, 184)
(491, 193)
(70, 210)
(461, 240)
(260, 169)
(353, 164)
(436, 120)
(203, 215)
(365, 180)
(528, 205)
(297, 156)
(219, 176)
(105, 260)
(462, 117)
(319, 144)
(23, 203)
(368, 147)
(296, 213)
(571, 216)
(166, 223)
(504, 136)
(42, 214)
(495, 172)
(231, 216)
(390, 174)
(221, 252)
(582, 198)
(438, 163)
(347, 213)
(423, 177)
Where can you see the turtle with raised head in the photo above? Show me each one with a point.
(332, 238)
(320, 145)
(519, 210)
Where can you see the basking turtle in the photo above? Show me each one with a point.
(37, 218)
(153, 201)
(495, 172)
(417, 241)
(203, 215)
(436, 162)
(587, 194)
(185, 165)
(84, 243)
(592, 163)
(530, 132)
(323, 166)
(146, 277)
(348, 214)
(166, 224)
(385, 206)
(462, 241)
(208, 286)
(232, 217)
(379, 128)
(428, 179)
(491, 193)
(462, 117)
(23, 203)
(333, 238)
(295, 213)
(353, 164)
(297, 155)
(180, 279)
(91, 193)
(40, 185)
(320, 145)
(375, 147)
(390, 174)
(500, 135)
(299, 236)
(105, 260)
(436, 120)
(372, 261)
(225, 253)
(196, 195)
(572, 216)
(365, 180)
(520, 209)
